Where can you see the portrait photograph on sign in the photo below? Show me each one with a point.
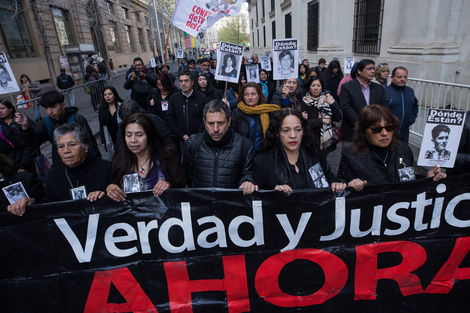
(180, 53)
(252, 73)
(15, 192)
(286, 58)
(8, 82)
(348, 64)
(266, 63)
(229, 61)
(441, 138)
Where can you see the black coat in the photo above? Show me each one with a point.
(185, 114)
(110, 121)
(271, 89)
(222, 167)
(370, 168)
(352, 101)
(94, 174)
(270, 169)
(241, 123)
(157, 107)
(22, 153)
(140, 88)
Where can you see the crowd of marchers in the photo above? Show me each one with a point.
(271, 135)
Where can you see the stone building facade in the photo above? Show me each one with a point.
(429, 37)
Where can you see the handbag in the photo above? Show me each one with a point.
(337, 135)
(43, 166)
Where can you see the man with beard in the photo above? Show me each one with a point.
(219, 157)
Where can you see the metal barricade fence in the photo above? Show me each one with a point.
(437, 95)
(86, 97)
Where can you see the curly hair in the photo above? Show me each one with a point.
(369, 116)
(271, 138)
(241, 94)
(125, 160)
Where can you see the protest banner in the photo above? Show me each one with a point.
(252, 73)
(229, 61)
(389, 248)
(286, 58)
(180, 53)
(8, 83)
(195, 16)
(441, 138)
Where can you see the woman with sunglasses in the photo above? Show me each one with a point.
(376, 156)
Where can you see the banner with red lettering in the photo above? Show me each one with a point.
(390, 248)
(196, 16)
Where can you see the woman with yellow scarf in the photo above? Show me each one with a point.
(251, 117)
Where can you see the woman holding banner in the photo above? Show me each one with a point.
(145, 162)
(376, 156)
(288, 158)
(288, 94)
(251, 117)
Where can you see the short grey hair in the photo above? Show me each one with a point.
(215, 106)
(76, 130)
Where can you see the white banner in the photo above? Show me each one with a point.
(8, 83)
(195, 16)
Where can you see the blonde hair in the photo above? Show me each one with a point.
(379, 69)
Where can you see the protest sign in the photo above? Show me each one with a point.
(286, 58)
(8, 82)
(229, 61)
(252, 73)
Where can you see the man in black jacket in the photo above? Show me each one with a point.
(219, 157)
(357, 94)
(140, 80)
(184, 115)
(65, 81)
(57, 115)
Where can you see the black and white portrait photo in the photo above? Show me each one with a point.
(229, 61)
(286, 58)
(441, 137)
(252, 73)
(131, 183)
(15, 192)
(318, 176)
(8, 82)
(266, 63)
(78, 193)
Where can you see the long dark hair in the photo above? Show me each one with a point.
(329, 70)
(125, 160)
(167, 84)
(369, 116)
(209, 87)
(9, 105)
(271, 138)
(262, 97)
(117, 98)
(7, 167)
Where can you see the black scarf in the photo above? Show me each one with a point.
(225, 140)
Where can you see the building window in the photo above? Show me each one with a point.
(273, 29)
(367, 33)
(137, 17)
(253, 38)
(256, 7)
(146, 18)
(312, 28)
(110, 7)
(272, 4)
(288, 25)
(114, 37)
(257, 34)
(262, 8)
(15, 33)
(141, 40)
(264, 35)
(129, 37)
(62, 26)
(125, 13)
(149, 37)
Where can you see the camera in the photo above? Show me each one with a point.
(137, 72)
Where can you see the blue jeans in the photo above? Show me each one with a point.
(37, 112)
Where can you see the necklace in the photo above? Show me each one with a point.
(384, 160)
(142, 170)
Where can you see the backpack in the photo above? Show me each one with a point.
(64, 82)
(47, 122)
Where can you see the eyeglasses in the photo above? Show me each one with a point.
(378, 129)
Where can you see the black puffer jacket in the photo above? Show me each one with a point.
(227, 166)
(370, 168)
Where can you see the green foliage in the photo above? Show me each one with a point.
(234, 30)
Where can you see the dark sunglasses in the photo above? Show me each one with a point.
(378, 129)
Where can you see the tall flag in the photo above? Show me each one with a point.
(195, 16)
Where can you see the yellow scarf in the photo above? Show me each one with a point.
(262, 110)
